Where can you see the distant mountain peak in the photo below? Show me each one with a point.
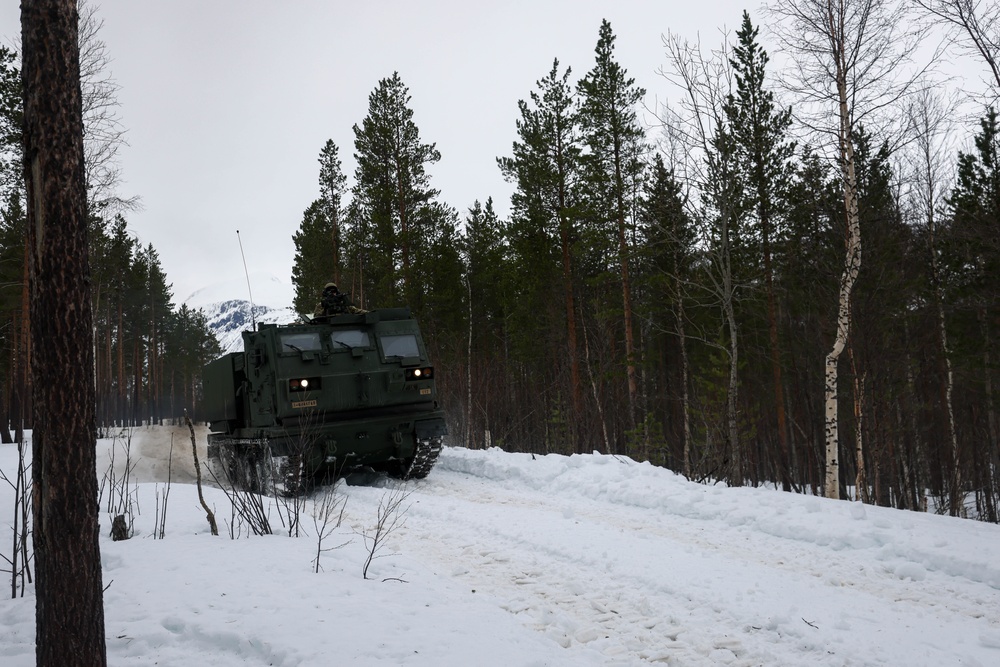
(227, 307)
(267, 290)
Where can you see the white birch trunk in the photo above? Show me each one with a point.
(852, 265)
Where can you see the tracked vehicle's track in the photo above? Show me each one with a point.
(424, 458)
(248, 465)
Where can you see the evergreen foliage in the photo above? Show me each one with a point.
(314, 258)
(613, 166)
(394, 217)
(623, 305)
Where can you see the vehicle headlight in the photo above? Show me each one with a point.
(423, 373)
(304, 384)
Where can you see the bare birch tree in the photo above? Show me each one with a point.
(103, 132)
(854, 58)
(701, 123)
(975, 28)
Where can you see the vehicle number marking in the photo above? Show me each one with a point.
(303, 404)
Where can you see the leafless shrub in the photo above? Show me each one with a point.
(122, 501)
(390, 518)
(19, 561)
(328, 515)
(160, 525)
(248, 509)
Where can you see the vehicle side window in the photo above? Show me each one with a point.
(404, 345)
(351, 338)
(301, 342)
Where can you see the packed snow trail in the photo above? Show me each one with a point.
(639, 565)
(513, 560)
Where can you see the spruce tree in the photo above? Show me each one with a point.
(763, 153)
(331, 190)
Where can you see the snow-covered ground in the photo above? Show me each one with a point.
(509, 559)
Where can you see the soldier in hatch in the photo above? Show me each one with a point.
(334, 302)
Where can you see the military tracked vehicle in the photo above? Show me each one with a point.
(327, 396)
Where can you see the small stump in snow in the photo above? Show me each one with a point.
(119, 528)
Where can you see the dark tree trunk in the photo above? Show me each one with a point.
(69, 607)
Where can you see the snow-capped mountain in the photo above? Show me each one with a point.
(230, 314)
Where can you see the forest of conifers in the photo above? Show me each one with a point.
(148, 352)
(678, 294)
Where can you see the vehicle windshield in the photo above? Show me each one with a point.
(301, 342)
(404, 345)
(350, 338)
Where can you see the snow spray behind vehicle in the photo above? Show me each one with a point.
(334, 394)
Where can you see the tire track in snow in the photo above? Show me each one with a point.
(663, 593)
(535, 562)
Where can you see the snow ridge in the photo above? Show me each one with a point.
(795, 517)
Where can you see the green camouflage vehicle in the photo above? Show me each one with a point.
(337, 393)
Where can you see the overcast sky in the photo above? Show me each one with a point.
(227, 103)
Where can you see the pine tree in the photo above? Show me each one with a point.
(11, 117)
(614, 164)
(971, 264)
(70, 611)
(545, 167)
(392, 213)
(313, 264)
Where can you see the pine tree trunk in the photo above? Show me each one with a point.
(738, 460)
(597, 395)
(784, 463)
(949, 383)
(468, 372)
(633, 383)
(571, 340)
(335, 238)
(24, 388)
(685, 398)
(993, 428)
(120, 401)
(69, 605)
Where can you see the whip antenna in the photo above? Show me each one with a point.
(253, 318)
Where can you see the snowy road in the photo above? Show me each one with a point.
(607, 555)
(509, 560)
